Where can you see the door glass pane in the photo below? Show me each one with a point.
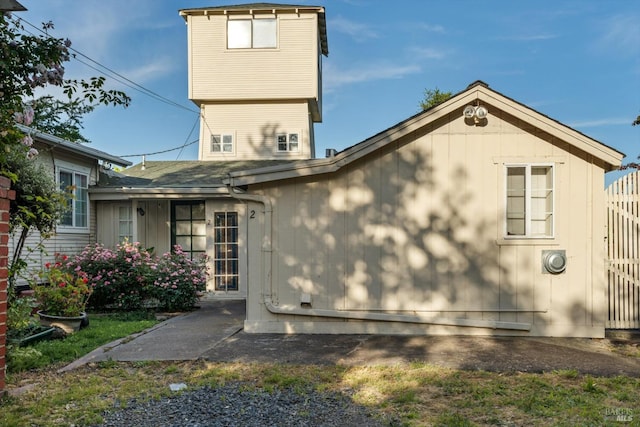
(199, 243)
(183, 228)
(183, 212)
(197, 211)
(199, 228)
(184, 242)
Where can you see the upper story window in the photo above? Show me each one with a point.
(530, 207)
(287, 142)
(222, 143)
(251, 33)
(76, 184)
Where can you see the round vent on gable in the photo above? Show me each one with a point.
(554, 262)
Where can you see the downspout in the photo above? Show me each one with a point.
(267, 259)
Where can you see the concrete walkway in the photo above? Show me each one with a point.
(214, 333)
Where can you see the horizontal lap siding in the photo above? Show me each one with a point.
(289, 71)
(255, 139)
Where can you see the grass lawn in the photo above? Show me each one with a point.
(409, 395)
(102, 330)
(415, 395)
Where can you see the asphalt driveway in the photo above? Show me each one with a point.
(214, 332)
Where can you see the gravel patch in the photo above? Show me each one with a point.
(239, 404)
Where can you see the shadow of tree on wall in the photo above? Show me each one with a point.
(398, 231)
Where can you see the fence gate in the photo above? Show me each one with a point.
(623, 241)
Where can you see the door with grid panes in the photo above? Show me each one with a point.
(188, 227)
(226, 252)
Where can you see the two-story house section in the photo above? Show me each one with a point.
(255, 72)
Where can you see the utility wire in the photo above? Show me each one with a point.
(115, 75)
(163, 151)
(130, 84)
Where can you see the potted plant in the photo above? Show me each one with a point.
(62, 296)
(22, 327)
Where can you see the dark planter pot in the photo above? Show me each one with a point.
(68, 324)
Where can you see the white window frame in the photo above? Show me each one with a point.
(528, 198)
(222, 136)
(75, 171)
(128, 221)
(249, 37)
(287, 140)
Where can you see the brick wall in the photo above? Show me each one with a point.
(5, 196)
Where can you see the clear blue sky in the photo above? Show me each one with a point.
(575, 61)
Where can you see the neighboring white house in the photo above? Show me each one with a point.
(477, 216)
(77, 167)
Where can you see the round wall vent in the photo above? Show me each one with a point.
(554, 262)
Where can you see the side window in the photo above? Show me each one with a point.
(222, 143)
(529, 201)
(251, 33)
(76, 185)
(287, 142)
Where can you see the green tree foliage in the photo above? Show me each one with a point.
(433, 97)
(38, 204)
(636, 121)
(28, 62)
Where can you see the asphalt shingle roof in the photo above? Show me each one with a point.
(180, 174)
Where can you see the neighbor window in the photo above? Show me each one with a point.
(76, 185)
(530, 207)
(287, 142)
(188, 227)
(222, 143)
(251, 33)
(225, 254)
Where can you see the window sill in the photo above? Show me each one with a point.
(71, 230)
(527, 241)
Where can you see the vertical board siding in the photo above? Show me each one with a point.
(623, 203)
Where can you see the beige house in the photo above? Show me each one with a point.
(477, 216)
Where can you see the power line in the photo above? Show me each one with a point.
(163, 151)
(130, 84)
(115, 75)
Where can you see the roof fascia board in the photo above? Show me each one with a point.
(154, 193)
(74, 147)
(607, 154)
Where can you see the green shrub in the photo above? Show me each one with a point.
(119, 277)
(178, 279)
(129, 277)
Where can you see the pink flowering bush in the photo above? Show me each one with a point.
(178, 280)
(118, 277)
(130, 277)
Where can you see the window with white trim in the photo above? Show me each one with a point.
(76, 185)
(251, 33)
(222, 143)
(125, 224)
(287, 142)
(530, 205)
